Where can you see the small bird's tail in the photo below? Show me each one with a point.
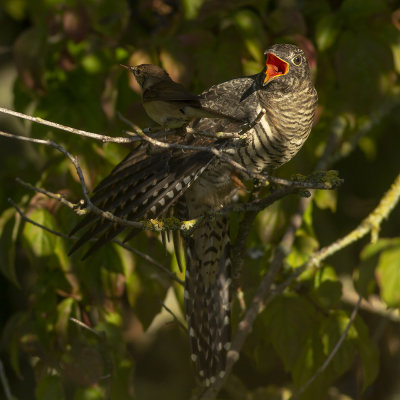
(207, 297)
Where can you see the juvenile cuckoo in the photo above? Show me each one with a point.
(150, 184)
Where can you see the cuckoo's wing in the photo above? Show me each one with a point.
(235, 98)
(142, 186)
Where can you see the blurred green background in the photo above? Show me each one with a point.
(59, 60)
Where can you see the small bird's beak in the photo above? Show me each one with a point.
(274, 67)
(128, 67)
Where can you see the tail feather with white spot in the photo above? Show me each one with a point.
(207, 297)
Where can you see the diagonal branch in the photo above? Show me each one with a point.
(80, 132)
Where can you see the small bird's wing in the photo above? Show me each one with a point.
(170, 91)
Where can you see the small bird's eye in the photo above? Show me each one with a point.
(297, 60)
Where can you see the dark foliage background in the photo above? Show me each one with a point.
(59, 60)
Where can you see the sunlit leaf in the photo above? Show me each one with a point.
(192, 7)
(90, 393)
(365, 274)
(326, 199)
(41, 242)
(388, 274)
(250, 26)
(327, 289)
(64, 310)
(327, 31)
(49, 388)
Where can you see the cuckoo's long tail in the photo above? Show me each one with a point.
(207, 297)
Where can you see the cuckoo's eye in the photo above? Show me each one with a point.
(297, 60)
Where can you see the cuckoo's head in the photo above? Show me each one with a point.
(285, 63)
(147, 74)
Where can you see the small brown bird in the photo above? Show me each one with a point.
(166, 102)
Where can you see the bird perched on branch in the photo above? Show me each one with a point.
(192, 183)
(166, 102)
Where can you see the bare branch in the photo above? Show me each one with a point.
(90, 206)
(80, 132)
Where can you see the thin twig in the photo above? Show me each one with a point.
(83, 325)
(151, 260)
(31, 221)
(57, 196)
(174, 317)
(328, 360)
(119, 243)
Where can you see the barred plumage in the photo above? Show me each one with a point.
(147, 185)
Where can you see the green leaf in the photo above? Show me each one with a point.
(328, 290)
(365, 274)
(388, 275)
(320, 344)
(64, 310)
(49, 388)
(285, 312)
(360, 76)
(303, 247)
(12, 332)
(327, 31)
(326, 199)
(9, 226)
(396, 56)
(41, 242)
(331, 330)
(17, 9)
(90, 393)
(358, 11)
(368, 352)
(251, 29)
(192, 8)
(373, 249)
(122, 384)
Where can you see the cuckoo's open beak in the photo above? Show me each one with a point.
(275, 67)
